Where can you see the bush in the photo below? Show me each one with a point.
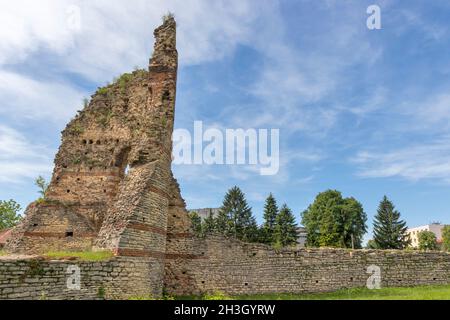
(427, 240)
(102, 91)
(76, 129)
(105, 118)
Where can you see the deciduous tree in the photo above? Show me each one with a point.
(9, 214)
(332, 221)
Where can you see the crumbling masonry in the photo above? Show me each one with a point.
(112, 185)
(113, 189)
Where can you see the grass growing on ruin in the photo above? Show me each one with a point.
(81, 255)
(3, 253)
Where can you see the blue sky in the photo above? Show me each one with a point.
(362, 111)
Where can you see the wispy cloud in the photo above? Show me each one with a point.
(20, 159)
(426, 161)
(26, 98)
(111, 40)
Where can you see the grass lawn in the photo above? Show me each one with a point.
(82, 255)
(413, 293)
(410, 293)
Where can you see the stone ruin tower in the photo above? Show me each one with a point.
(112, 186)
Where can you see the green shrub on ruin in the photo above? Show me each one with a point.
(42, 185)
(103, 91)
(101, 293)
(105, 118)
(76, 129)
(124, 80)
(76, 160)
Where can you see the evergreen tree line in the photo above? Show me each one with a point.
(330, 221)
(235, 219)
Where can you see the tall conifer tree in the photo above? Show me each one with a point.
(270, 216)
(388, 230)
(285, 228)
(235, 217)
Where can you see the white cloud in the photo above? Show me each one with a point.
(115, 36)
(298, 85)
(435, 111)
(29, 26)
(427, 161)
(19, 158)
(27, 98)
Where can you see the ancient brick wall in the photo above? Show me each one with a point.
(237, 268)
(111, 182)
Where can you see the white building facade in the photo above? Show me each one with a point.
(436, 228)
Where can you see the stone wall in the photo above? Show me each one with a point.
(218, 264)
(119, 278)
(237, 268)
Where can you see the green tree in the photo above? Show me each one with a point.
(389, 231)
(9, 214)
(371, 244)
(285, 228)
(446, 238)
(196, 223)
(332, 221)
(42, 185)
(427, 240)
(209, 224)
(235, 217)
(270, 216)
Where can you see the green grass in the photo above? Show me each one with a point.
(82, 255)
(3, 253)
(406, 293)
